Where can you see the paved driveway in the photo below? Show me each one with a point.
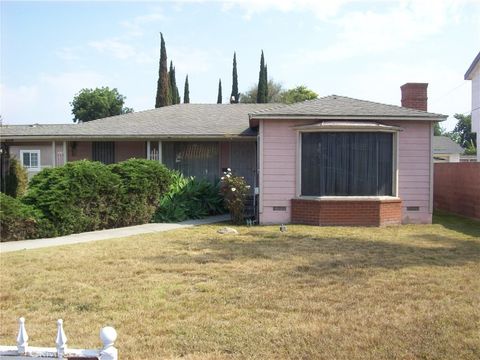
(105, 234)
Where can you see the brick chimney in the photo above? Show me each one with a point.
(414, 96)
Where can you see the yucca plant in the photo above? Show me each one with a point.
(189, 198)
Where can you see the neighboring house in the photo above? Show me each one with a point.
(330, 161)
(473, 73)
(446, 150)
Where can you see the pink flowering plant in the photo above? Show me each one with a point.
(234, 190)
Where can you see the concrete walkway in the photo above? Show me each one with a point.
(105, 234)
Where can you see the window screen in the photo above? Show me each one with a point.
(103, 151)
(199, 159)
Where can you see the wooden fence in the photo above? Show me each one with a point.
(456, 188)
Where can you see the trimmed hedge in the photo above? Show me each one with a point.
(80, 196)
(144, 182)
(189, 198)
(85, 196)
(19, 221)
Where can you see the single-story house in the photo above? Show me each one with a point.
(331, 161)
(446, 150)
(473, 74)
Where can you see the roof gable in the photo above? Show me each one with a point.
(445, 145)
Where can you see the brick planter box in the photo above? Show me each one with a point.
(326, 212)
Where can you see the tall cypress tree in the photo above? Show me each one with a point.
(163, 98)
(265, 81)
(235, 96)
(186, 92)
(173, 85)
(219, 96)
(262, 82)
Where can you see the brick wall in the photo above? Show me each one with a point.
(347, 213)
(414, 96)
(456, 188)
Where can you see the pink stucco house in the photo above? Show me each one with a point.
(330, 161)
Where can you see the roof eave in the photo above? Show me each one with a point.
(124, 137)
(471, 69)
(436, 117)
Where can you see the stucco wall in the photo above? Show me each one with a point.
(279, 167)
(79, 150)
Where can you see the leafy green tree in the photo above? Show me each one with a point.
(235, 96)
(219, 95)
(275, 91)
(262, 88)
(186, 92)
(298, 94)
(462, 133)
(164, 96)
(91, 104)
(439, 130)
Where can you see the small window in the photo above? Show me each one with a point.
(30, 158)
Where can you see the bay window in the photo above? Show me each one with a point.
(347, 163)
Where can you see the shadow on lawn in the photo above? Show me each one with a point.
(324, 255)
(460, 224)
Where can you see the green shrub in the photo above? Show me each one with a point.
(16, 179)
(80, 196)
(19, 221)
(144, 183)
(235, 191)
(189, 198)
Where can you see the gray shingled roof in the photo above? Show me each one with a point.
(182, 120)
(445, 145)
(212, 120)
(335, 106)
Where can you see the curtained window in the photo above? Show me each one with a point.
(347, 164)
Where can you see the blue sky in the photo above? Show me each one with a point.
(362, 49)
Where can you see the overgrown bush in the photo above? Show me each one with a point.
(80, 196)
(189, 198)
(234, 190)
(19, 221)
(16, 179)
(144, 183)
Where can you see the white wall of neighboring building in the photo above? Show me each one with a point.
(476, 106)
(474, 76)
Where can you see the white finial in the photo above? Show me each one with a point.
(61, 340)
(108, 335)
(22, 338)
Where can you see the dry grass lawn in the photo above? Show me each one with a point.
(409, 292)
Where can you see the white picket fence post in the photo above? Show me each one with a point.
(22, 338)
(108, 335)
(61, 340)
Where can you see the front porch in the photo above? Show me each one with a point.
(206, 159)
